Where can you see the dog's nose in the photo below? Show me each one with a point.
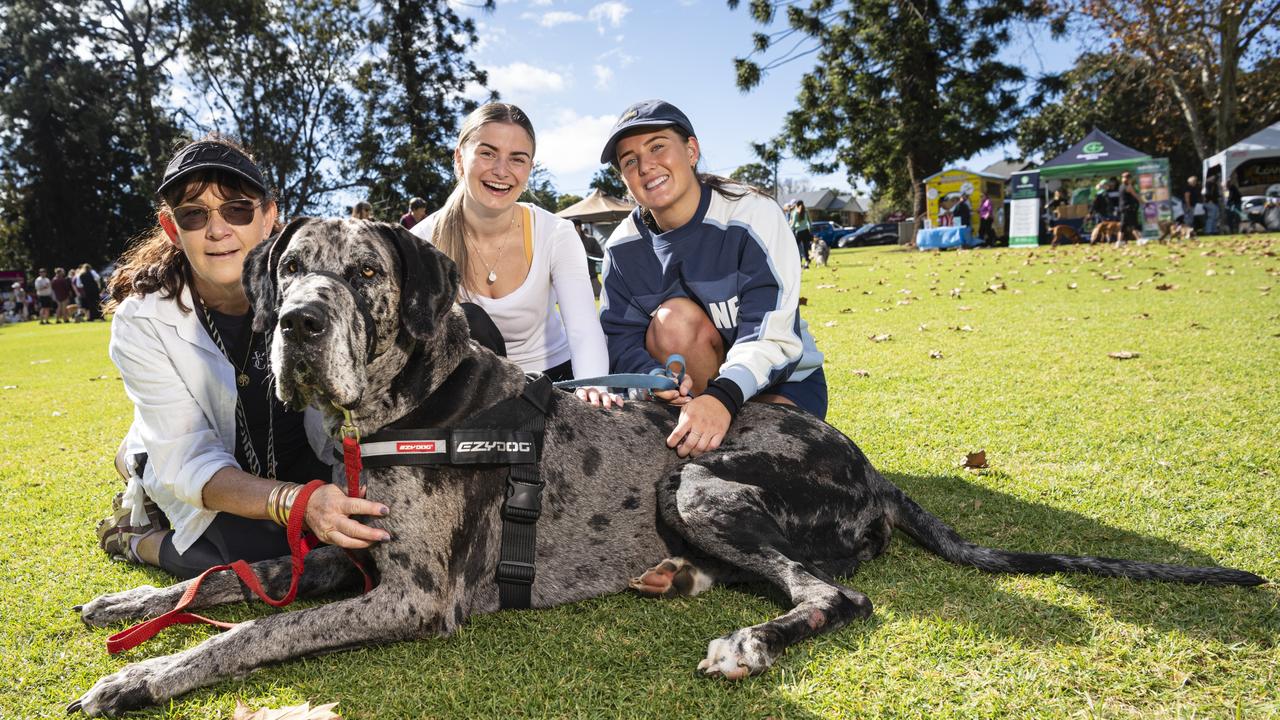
(304, 322)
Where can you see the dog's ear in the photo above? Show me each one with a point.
(260, 275)
(428, 281)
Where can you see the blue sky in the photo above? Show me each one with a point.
(574, 65)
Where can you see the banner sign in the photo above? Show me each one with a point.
(1153, 190)
(1024, 209)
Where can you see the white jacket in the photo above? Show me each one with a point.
(184, 409)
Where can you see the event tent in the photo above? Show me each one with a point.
(597, 208)
(1097, 154)
(1258, 156)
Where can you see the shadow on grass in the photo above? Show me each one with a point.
(909, 579)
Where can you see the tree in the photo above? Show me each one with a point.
(900, 88)
(755, 174)
(66, 148)
(566, 200)
(1196, 50)
(608, 181)
(412, 99)
(770, 155)
(540, 190)
(275, 76)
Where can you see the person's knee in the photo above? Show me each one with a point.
(680, 326)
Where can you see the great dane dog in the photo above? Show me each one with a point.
(363, 316)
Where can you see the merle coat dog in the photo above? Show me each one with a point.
(363, 316)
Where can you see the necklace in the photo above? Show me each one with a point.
(492, 277)
(242, 380)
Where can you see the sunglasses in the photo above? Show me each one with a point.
(196, 217)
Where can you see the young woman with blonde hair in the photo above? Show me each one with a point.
(524, 285)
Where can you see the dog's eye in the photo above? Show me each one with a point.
(367, 272)
(291, 267)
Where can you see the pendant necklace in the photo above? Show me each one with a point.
(492, 277)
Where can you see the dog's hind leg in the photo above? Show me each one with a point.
(731, 522)
(678, 576)
(380, 616)
(327, 570)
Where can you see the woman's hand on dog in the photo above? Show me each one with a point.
(598, 397)
(703, 422)
(329, 517)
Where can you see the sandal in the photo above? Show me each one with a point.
(115, 534)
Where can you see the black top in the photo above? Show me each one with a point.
(295, 461)
(1196, 197)
(1213, 191)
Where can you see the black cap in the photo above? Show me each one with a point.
(214, 156)
(643, 115)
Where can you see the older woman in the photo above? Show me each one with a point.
(213, 459)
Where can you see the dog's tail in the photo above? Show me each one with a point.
(937, 537)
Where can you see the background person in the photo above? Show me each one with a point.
(1129, 205)
(803, 231)
(1212, 204)
(44, 295)
(1193, 201)
(88, 284)
(524, 272)
(63, 291)
(706, 268)
(986, 220)
(362, 211)
(417, 211)
(211, 452)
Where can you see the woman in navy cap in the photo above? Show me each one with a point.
(213, 459)
(706, 268)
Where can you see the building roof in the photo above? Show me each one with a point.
(1006, 168)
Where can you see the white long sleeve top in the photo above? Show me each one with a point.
(552, 316)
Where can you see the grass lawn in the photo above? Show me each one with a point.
(1171, 456)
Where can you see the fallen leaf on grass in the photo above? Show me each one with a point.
(803, 301)
(862, 373)
(57, 414)
(1142, 316)
(1166, 286)
(1124, 355)
(935, 354)
(1072, 286)
(964, 307)
(830, 323)
(295, 712)
(955, 292)
(846, 310)
(1210, 272)
(1112, 277)
(10, 387)
(994, 288)
(976, 460)
(1197, 326)
(825, 287)
(880, 338)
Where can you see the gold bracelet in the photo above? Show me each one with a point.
(271, 501)
(286, 503)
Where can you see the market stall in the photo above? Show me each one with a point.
(1099, 156)
(1255, 162)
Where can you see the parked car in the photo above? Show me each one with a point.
(885, 233)
(829, 232)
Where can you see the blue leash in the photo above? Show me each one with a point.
(663, 378)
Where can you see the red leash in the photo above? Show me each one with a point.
(300, 544)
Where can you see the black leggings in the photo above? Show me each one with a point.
(229, 538)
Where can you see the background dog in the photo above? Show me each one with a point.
(819, 252)
(1176, 231)
(1064, 233)
(362, 316)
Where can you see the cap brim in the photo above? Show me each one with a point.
(177, 179)
(608, 157)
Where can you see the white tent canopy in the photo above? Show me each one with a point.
(1262, 145)
(596, 208)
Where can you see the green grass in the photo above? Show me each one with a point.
(1168, 457)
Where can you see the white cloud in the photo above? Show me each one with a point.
(558, 17)
(573, 142)
(623, 59)
(523, 80)
(540, 3)
(604, 76)
(608, 12)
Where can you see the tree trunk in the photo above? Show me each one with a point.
(1191, 114)
(1229, 61)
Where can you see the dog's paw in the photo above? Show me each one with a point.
(127, 689)
(135, 604)
(672, 577)
(737, 655)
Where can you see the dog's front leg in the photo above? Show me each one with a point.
(327, 570)
(377, 617)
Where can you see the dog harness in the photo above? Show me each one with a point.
(509, 433)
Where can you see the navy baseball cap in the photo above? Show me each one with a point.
(209, 155)
(647, 114)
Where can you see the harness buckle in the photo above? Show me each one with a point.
(516, 573)
(348, 429)
(523, 503)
